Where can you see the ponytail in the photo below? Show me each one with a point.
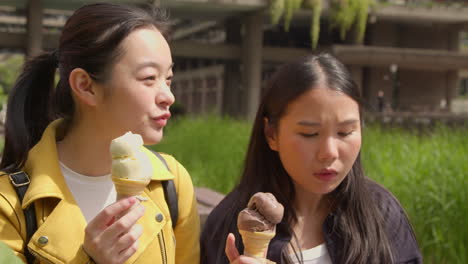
(29, 109)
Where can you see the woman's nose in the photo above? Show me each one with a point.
(328, 150)
(165, 96)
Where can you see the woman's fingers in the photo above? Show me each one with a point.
(124, 224)
(104, 232)
(128, 239)
(107, 215)
(128, 252)
(231, 251)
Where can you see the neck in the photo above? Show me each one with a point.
(85, 150)
(311, 210)
(309, 204)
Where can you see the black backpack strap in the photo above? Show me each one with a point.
(20, 180)
(170, 194)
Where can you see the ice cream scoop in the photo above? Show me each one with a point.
(128, 159)
(131, 168)
(263, 213)
(257, 224)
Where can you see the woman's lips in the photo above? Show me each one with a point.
(161, 120)
(326, 174)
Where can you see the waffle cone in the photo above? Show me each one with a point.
(256, 244)
(126, 187)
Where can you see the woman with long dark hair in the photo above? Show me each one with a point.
(115, 70)
(305, 150)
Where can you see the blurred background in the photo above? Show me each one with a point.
(409, 58)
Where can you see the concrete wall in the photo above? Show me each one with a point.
(417, 89)
(357, 74)
(422, 90)
(427, 37)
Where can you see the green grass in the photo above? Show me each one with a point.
(427, 173)
(211, 148)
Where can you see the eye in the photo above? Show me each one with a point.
(150, 78)
(169, 80)
(308, 135)
(345, 134)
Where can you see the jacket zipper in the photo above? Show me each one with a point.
(162, 246)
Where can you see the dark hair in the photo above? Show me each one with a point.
(90, 40)
(358, 221)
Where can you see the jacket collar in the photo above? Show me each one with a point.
(46, 177)
(160, 172)
(43, 168)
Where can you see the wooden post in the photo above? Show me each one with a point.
(203, 92)
(34, 28)
(252, 62)
(450, 89)
(190, 91)
(452, 76)
(232, 76)
(219, 91)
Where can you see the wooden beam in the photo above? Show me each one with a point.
(18, 40)
(17, 20)
(190, 30)
(436, 60)
(436, 14)
(282, 55)
(34, 27)
(190, 49)
(421, 59)
(252, 63)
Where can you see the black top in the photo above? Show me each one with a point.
(399, 232)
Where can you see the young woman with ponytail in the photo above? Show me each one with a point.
(305, 149)
(115, 71)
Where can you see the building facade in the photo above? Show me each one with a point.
(410, 59)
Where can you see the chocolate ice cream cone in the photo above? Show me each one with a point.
(256, 244)
(257, 224)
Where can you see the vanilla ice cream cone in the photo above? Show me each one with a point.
(127, 188)
(131, 168)
(256, 244)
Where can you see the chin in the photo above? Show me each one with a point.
(325, 189)
(322, 191)
(153, 138)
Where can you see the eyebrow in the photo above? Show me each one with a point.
(152, 64)
(315, 124)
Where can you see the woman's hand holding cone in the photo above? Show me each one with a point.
(112, 237)
(233, 254)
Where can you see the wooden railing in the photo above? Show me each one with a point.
(200, 90)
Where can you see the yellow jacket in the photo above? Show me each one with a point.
(60, 219)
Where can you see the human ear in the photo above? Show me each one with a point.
(83, 87)
(270, 134)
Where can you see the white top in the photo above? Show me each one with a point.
(92, 194)
(316, 255)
